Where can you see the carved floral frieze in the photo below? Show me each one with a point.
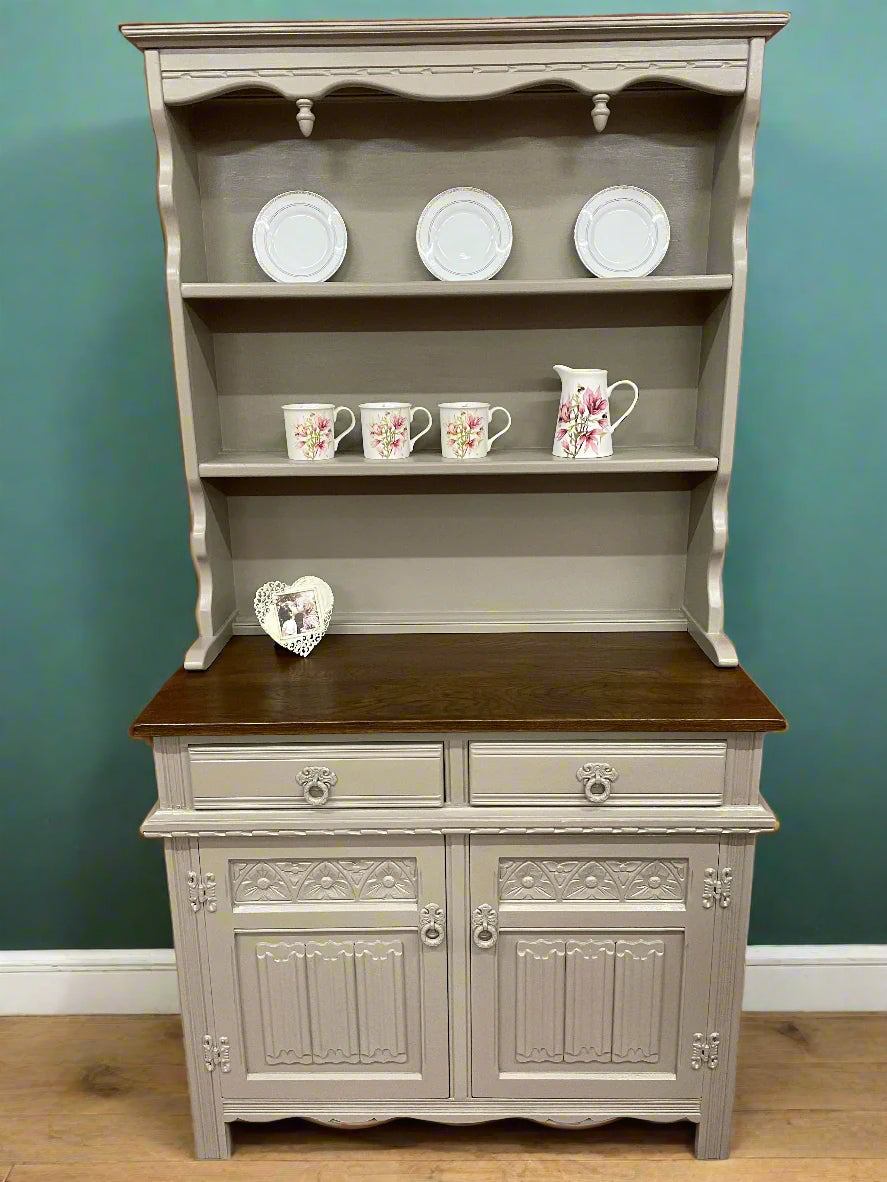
(350, 880)
(610, 880)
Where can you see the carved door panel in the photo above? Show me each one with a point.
(590, 965)
(329, 968)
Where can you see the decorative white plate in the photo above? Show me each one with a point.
(464, 234)
(299, 238)
(622, 231)
(295, 615)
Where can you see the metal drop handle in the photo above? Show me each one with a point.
(597, 780)
(316, 783)
(484, 926)
(432, 925)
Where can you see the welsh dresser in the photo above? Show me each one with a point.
(488, 851)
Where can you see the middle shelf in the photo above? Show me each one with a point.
(526, 460)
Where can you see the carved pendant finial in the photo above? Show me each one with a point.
(305, 117)
(600, 112)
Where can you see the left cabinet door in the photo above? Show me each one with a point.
(328, 965)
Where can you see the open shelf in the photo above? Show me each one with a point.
(434, 288)
(529, 460)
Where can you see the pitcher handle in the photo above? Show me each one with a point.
(492, 439)
(348, 411)
(610, 389)
(414, 439)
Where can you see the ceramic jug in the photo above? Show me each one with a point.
(584, 430)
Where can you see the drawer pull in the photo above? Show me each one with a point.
(597, 780)
(316, 783)
(484, 926)
(432, 925)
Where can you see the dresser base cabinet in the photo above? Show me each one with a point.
(474, 963)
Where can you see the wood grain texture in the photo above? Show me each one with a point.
(813, 1038)
(134, 1131)
(550, 1170)
(511, 682)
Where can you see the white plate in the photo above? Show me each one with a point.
(622, 231)
(299, 238)
(464, 234)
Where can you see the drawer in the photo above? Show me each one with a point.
(359, 775)
(591, 774)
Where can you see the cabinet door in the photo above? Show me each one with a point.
(590, 965)
(326, 981)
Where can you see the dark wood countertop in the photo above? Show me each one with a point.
(561, 682)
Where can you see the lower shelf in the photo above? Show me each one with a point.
(536, 460)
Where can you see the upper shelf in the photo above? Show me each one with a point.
(434, 288)
(654, 459)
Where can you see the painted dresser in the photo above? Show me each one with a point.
(488, 851)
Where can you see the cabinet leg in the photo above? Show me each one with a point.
(713, 1133)
(212, 1142)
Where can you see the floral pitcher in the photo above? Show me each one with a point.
(584, 430)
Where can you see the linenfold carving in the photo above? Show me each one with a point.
(610, 880)
(350, 880)
(333, 1001)
(588, 1000)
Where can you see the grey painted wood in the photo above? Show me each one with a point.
(638, 459)
(645, 773)
(455, 819)
(321, 980)
(600, 966)
(362, 775)
(684, 101)
(212, 1139)
(198, 293)
(495, 30)
(301, 948)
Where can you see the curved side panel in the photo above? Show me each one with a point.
(719, 371)
(193, 366)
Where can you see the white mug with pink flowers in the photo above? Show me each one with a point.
(465, 429)
(386, 429)
(310, 430)
(584, 430)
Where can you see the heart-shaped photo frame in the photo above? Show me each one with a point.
(295, 615)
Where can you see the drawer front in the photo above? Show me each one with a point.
(593, 774)
(359, 775)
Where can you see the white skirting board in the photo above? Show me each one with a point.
(778, 977)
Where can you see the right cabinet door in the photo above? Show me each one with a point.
(590, 964)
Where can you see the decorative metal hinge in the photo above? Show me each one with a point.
(216, 1054)
(201, 891)
(705, 1051)
(717, 887)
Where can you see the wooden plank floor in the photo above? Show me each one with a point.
(103, 1099)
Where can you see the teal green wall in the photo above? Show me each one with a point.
(99, 588)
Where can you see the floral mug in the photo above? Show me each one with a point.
(465, 429)
(386, 429)
(310, 428)
(584, 430)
